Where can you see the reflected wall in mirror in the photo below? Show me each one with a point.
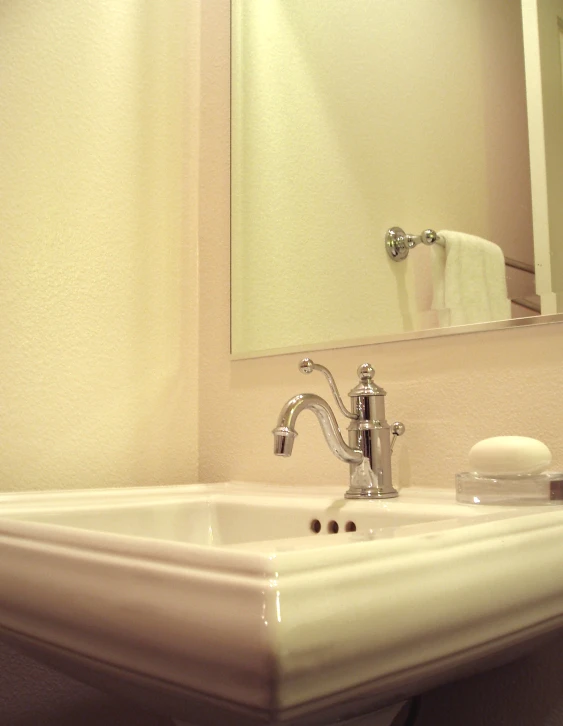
(352, 117)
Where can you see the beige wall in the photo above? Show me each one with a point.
(450, 392)
(98, 270)
(349, 118)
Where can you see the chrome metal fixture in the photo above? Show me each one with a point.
(369, 445)
(398, 243)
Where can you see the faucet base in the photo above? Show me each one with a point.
(371, 493)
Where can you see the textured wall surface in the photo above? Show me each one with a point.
(33, 695)
(98, 274)
(98, 287)
(524, 693)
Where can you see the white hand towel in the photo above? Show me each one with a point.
(469, 280)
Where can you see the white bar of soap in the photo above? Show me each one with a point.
(502, 456)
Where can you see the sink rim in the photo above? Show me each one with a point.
(287, 632)
(261, 557)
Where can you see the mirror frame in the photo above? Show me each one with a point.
(400, 337)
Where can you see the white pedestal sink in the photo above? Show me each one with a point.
(263, 605)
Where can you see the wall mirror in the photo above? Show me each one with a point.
(353, 116)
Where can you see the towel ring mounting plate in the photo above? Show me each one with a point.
(398, 243)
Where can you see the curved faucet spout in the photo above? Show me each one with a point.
(284, 433)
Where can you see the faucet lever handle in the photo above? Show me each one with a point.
(307, 366)
(397, 429)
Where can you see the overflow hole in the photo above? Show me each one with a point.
(333, 527)
(315, 526)
(350, 526)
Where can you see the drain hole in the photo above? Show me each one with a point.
(315, 526)
(333, 527)
(350, 526)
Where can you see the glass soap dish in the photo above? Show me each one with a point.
(527, 489)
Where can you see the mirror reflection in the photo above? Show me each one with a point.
(349, 118)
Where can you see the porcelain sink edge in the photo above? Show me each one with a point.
(262, 489)
(24, 507)
(300, 594)
(264, 560)
(418, 500)
(364, 698)
(263, 552)
(430, 585)
(267, 557)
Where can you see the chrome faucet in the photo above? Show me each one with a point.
(369, 445)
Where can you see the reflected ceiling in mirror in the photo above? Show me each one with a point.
(349, 118)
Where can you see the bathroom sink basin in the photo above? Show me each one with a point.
(259, 605)
(214, 518)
